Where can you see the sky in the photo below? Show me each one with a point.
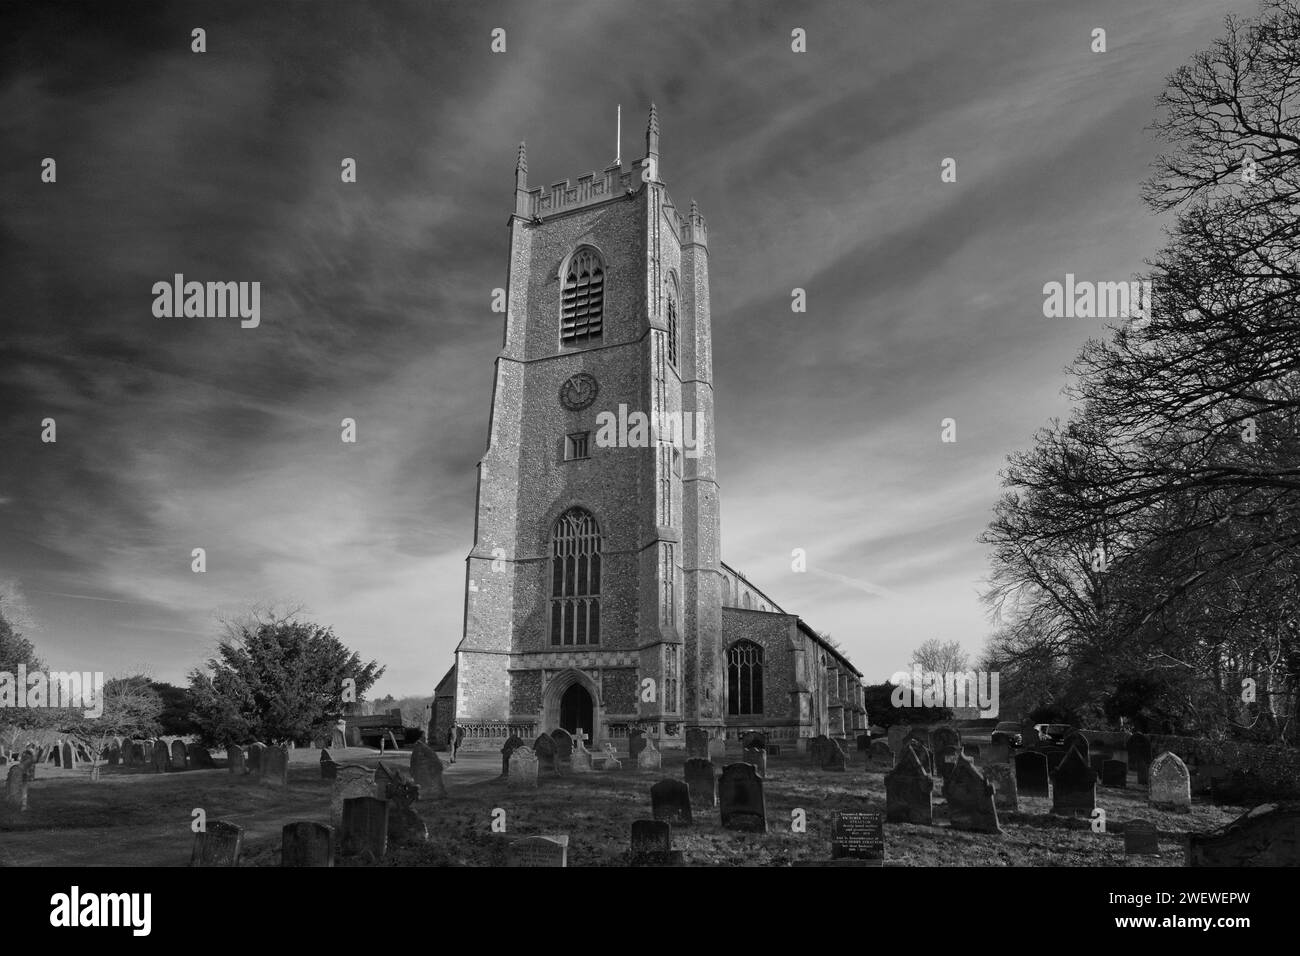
(817, 170)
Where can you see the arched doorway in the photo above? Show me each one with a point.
(577, 711)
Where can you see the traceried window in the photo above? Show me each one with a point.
(575, 579)
(744, 679)
(672, 328)
(582, 301)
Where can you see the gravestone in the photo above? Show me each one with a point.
(1139, 756)
(944, 737)
(1074, 786)
(909, 790)
(1268, 835)
(700, 781)
(611, 761)
(544, 751)
(635, 744)
(404, 824)
(16, 787)
(523, 769)
(1054, 757)
(365, 827)
(1114, 773)
(70, 758)
(539, 851)
(426, 771)
(329, 769)
(28, 762)
(1141, 837)
(113, 755)
(652, 844)
(857, 835)
(198, 756)
(740, 799)
(146, 753)
(306, 844)
(275, 766)
(879, 756)
(1079, 742)
(998, 752)
(352, 781)
(235, 760)
(864, 742)
(160, 757)
(219, 845)
(563, 746)
(970, 799)
(756, 759)
(923, 755)
(512, 744)
(1171, 786)
(697, 743)
(1005, 793)
(717, 748)
(256, 751)
(179, 759)
(650, 757)
(580, 758)
(1031, 774)
(670, 800)
(896, 735)
(817, 747)
(833, 757)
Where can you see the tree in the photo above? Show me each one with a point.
(939, 657)
(276, 679)
(131, 708)
(175, 718)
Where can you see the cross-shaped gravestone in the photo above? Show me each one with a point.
(580, 736)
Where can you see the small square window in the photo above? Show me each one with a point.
(575, 446)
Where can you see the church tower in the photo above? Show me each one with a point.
(594, 587)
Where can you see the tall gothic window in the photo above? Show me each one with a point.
(575, 579)
(744, 679)
(672, 328)
(582, 301)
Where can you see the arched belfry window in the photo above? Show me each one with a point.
(575, 579)
(582, 300)
(672, 323)
(744, 679)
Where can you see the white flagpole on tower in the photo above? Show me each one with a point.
(618, 150)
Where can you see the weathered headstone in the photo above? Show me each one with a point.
(998, 752)
(970, 798)
(352, 781)
(1170, 783)
(909, 791)
(740, 799)
(28, 762)
(857, 835)
(218, 845)
(717, 748)
(650, 757)
(161, 758)
(922, 754)
(180, 760)
(1114, 773)
(1268, 835)
(1003, 779)
(701, 782)
(1031, 774)
(896, 735)
(610, 760)
(551, 850)
(329, 769)
(1074, 786)
(16, 787)
(544, 750)
(1054, 757)
(69, 757)
(1139, 756)
(523, 769)
(1080, 743)
(652, 844)
(306, 844)
(256, 751)
(1141, 837)
(235, 760)
(113, 754)
(426, 770)
(365, 827)
(817, 749)
(563, 746)
(275, 766)
(880, 757)
(943, 737)
(833, 756)
(697, 743)
(635, 744)
(512, 744)
(580, 758)
(670, 800)
(755, 758)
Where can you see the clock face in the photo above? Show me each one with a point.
(578, 392)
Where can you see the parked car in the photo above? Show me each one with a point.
(1007, 732)
(1056, 733)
